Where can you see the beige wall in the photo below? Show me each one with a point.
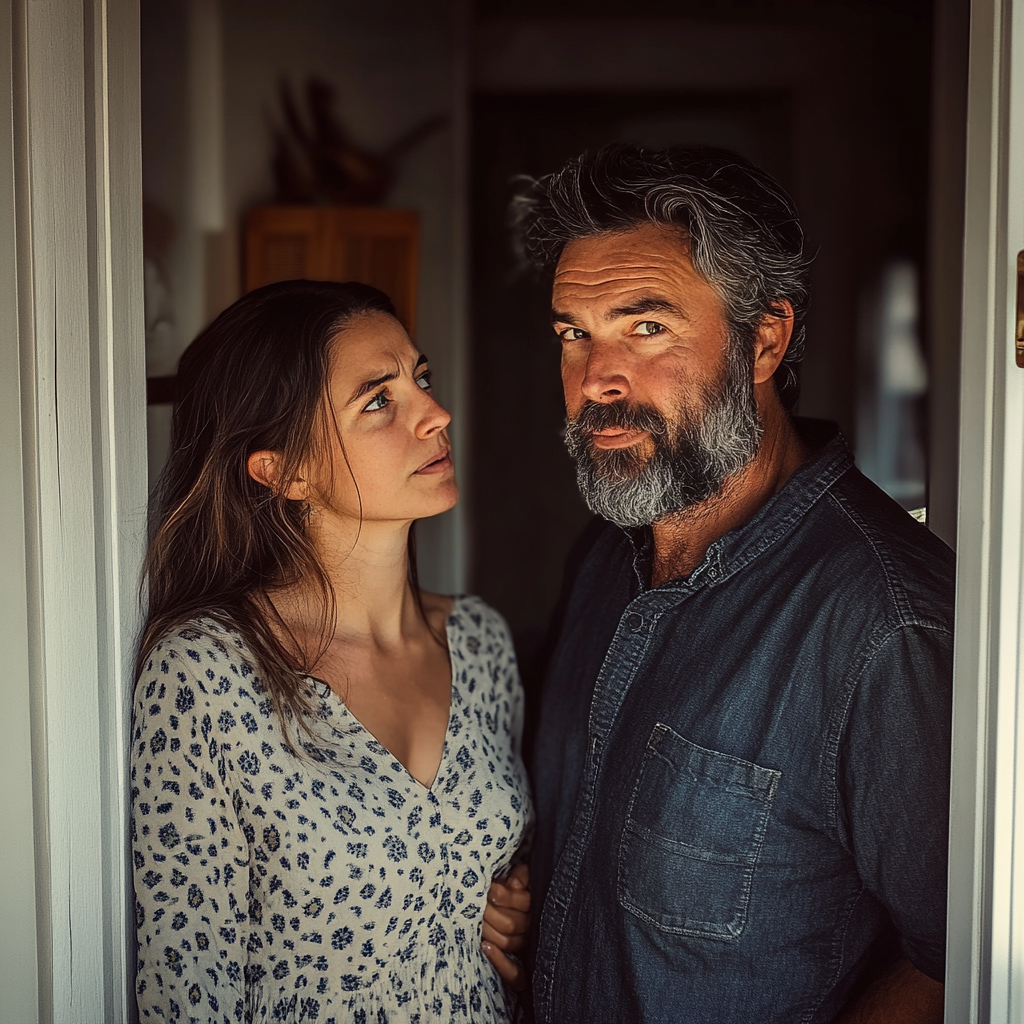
(394, 64)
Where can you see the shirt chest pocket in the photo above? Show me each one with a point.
(696, 822)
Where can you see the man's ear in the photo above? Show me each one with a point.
(265, 468)
(772, 340)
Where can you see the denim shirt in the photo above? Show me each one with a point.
(742, 776)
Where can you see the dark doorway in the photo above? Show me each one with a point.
(847, 135)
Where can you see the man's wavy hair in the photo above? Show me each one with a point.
(742, 227)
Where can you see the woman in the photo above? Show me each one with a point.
(325, 765)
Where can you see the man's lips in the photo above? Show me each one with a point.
(617, 437)
(440, 463)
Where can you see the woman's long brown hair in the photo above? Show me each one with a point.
(254, 380)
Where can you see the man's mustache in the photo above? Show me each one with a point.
(623, 413)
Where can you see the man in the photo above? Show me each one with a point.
(742, 761)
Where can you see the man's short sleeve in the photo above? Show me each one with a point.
(893, 780)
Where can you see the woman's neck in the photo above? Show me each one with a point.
(367, 570)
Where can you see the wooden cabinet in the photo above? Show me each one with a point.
(374, 245)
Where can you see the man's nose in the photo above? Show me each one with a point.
(605, 379)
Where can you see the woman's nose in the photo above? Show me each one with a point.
(434, 418)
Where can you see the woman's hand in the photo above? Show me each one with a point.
(506, 924)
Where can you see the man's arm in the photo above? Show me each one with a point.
(903, 995)
(894, 795)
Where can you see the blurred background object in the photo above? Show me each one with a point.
(421, 112)
(891, 412)
(315, 160)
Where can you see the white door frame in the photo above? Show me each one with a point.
(72, 426)
(72, 516)
(985, 953)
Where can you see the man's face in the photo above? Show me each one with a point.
(659, 397)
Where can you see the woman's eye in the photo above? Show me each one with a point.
(424, 380)
(378, 401)
(572, 334)
(649, 327)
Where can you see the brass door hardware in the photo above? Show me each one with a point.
(1019, 334)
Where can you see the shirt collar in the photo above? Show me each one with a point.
(830, 459)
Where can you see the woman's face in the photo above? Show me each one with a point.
(396, 464)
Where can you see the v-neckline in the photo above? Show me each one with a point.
(368, 735)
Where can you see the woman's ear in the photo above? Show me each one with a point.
(265, 468)
(772, 340)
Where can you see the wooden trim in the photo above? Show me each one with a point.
(375, 245)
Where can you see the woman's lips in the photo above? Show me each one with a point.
(439, 464)
(616, 437)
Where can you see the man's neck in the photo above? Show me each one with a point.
(681, 541)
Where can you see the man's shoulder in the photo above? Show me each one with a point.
(876, 550)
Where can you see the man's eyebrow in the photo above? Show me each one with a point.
(651, 304)
(648, 305)
(375, 382)
(558, 317)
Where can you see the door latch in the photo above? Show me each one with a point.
(1019, 333)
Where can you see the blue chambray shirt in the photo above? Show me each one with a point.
(742, 776)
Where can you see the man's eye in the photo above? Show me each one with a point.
(572, 334)
(378, 401)
(424, 380)
(649, 327)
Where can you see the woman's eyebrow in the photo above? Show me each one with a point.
(368, 385)
(375, 382)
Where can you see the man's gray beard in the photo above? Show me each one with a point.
(691, 458)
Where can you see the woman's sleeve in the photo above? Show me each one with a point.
(516, 718)
(191, 857)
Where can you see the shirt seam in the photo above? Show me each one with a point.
(839, 721)
(838, 953)
(896, 592)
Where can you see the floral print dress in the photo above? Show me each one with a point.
(331, 887)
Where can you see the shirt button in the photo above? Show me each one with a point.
(635, 622)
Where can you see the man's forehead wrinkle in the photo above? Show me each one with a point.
(612, 281)
(610, 278)
(626, 265)
(614, 298)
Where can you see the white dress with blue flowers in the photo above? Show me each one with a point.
(331, 887)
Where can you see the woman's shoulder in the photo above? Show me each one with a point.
(201, 653)
(472, 616)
